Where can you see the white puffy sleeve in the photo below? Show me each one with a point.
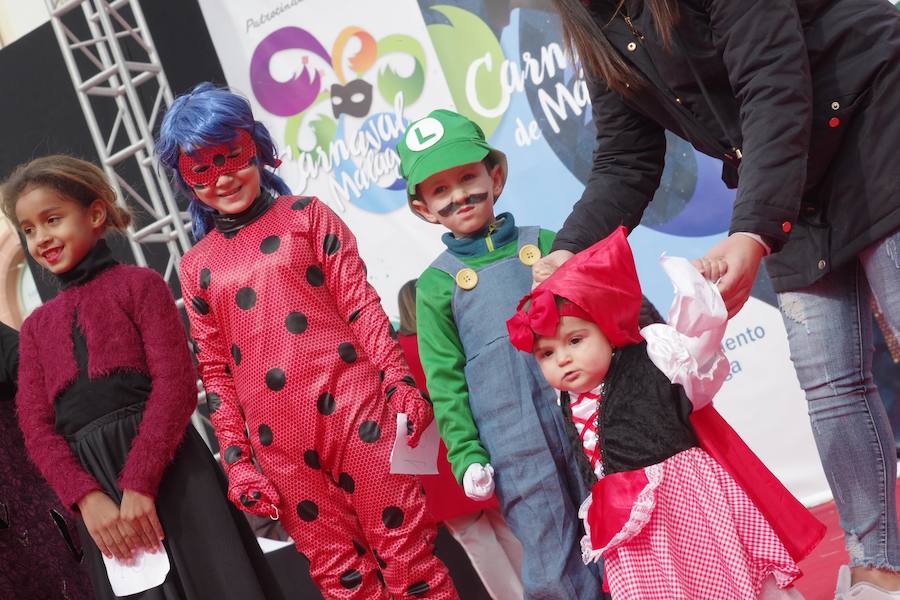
(688, 347)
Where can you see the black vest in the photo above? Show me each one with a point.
(643, 419)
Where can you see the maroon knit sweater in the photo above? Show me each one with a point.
(130, 323)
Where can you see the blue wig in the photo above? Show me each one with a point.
(209, 116)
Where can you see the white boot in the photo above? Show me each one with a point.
(860, 591)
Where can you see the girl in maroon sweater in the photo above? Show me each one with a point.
(106, 389)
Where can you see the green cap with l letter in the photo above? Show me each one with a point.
(442, 140)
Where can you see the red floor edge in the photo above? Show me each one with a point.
(820, 568)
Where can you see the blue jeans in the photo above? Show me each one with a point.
(829, 326)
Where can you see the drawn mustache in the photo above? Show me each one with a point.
(455, 206)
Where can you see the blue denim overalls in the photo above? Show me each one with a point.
(521, 426)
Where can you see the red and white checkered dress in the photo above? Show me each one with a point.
(693, 533)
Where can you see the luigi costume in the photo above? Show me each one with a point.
(491, 403)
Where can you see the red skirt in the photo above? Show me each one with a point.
(693, 533)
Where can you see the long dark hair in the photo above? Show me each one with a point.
(601, 62)
(78, 180)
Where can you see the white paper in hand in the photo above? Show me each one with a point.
(421, 460)
(148, 571)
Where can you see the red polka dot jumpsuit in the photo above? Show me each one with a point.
(304, 376)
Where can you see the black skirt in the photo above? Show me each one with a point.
(212, 551)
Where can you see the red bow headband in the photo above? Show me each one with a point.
(600, 284)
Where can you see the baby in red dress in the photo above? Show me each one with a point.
(682, 509)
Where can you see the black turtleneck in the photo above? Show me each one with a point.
(230, 225)
(97, 260)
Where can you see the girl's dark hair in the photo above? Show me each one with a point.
(601, 61)
(406, 298)
(71, 177)
(209, 116)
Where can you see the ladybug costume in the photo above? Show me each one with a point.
(304, 377)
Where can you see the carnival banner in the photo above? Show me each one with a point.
(337, 80)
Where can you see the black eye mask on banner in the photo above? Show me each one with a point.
(455, 206)
(353, 99)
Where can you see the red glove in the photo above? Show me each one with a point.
(417, 407)
(251, 491)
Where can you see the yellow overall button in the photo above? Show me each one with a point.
(466, 278)
(529, 254)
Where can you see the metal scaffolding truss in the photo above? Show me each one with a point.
(101, 60)
(123, 92)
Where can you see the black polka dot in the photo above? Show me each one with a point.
(392, 332)
(380, 375)
(236, 354)
(232, 454)
(425, 396)
(326, 404)
(347, 352)
(205, 276)
(311, 458)
(381, 562)
(354, 315)
(301, 203)
(246, 298)
(392, 517)
(351, 579)
(380, 577)
(409, 380)
(247, 500)
(418, 589)
(275, 379)
(265, 435)
(307, 510)
(360, 550)
(195, 347)
(391, 391)
(314, 276)
(346, 483)
(270, 244)
(369, 432)
(296, 322)
(213, 401)
(201, 306)
(331, 244)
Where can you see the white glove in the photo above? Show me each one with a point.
(478, 481)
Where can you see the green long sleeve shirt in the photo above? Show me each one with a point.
(441, 349)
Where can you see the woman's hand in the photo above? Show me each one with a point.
(138, 515)
(545, 267)
(733, 262)
(102, 520)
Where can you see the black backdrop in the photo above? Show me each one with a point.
(40, 114)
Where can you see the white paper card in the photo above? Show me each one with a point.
(421, 460)
(148, 571)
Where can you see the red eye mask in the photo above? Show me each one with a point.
(204, 167)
